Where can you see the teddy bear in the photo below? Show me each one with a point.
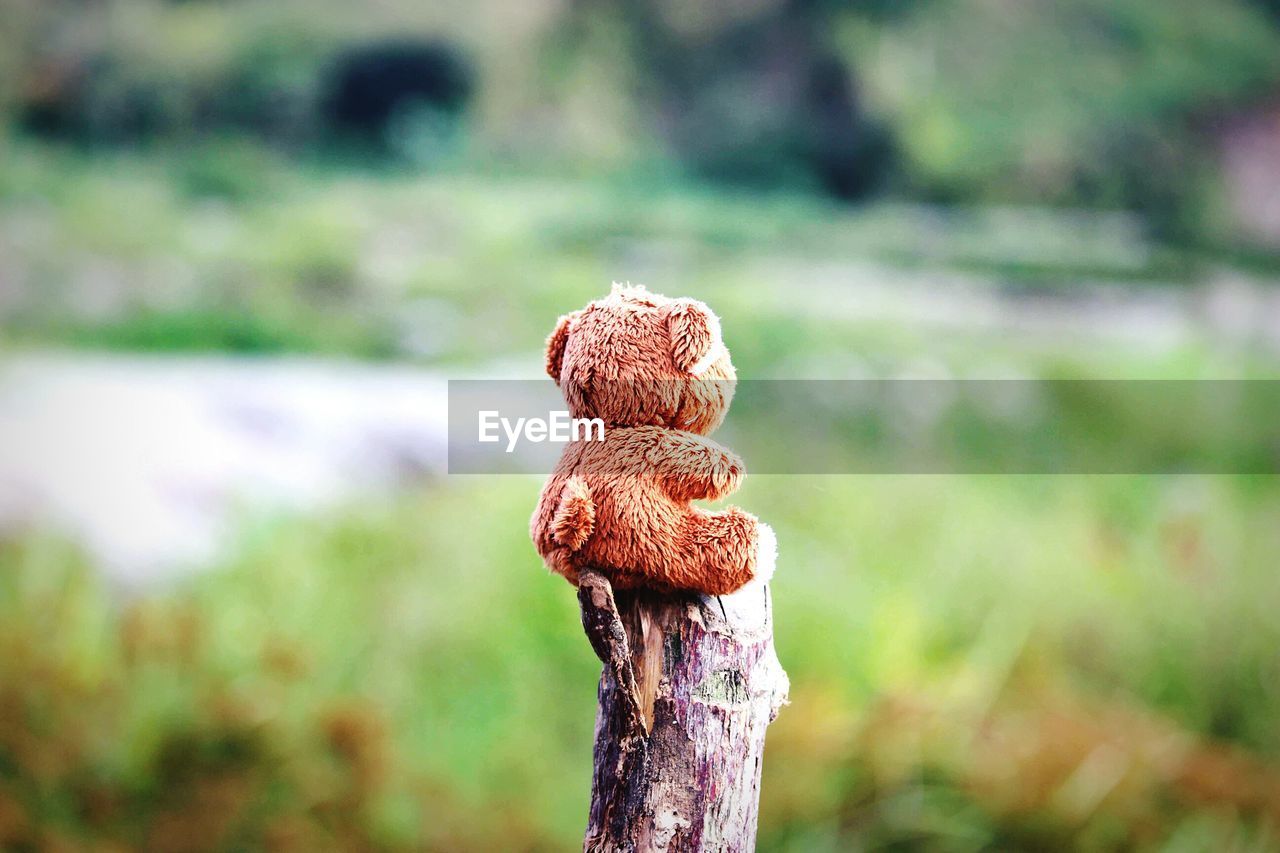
(657, 373)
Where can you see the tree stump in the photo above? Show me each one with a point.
(689, 685)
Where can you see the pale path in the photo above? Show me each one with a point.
(148, 462)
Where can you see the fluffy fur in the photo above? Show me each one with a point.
(656, 371)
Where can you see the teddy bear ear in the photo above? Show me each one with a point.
(695, 335)
(556, 342)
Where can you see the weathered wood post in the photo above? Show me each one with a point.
(688, 687)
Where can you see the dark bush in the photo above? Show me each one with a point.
(392, 93)
(849, 152)
(369, 87)
(107, 98)
(758, 98)
(798, 121)
(54, 98)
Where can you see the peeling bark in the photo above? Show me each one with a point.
(689, 685)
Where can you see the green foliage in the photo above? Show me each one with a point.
(228, 247)
(369, 704)
(232, 170)
(1089, 103)
(1094, 103)
(406, 676)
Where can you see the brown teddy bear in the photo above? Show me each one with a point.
(657, 373)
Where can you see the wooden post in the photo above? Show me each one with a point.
(689, 685)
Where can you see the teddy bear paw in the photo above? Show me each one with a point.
(766, 553)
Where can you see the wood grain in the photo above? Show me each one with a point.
(689, 685)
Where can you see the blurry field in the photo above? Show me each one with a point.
(233, 249)
(1058, 188)
(977, 662)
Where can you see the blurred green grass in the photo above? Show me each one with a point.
(977, 663)
(232, 248)
(1121, 104)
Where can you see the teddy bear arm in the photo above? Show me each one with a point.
(726, 473)
(693, 468)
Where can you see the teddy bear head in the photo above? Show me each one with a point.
(636, 358)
